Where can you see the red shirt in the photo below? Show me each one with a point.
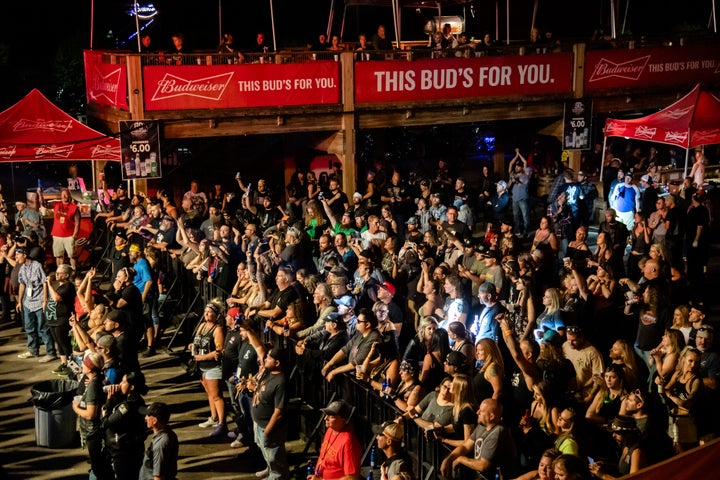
(64, 219)
(339, 454)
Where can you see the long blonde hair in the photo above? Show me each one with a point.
(463, 395)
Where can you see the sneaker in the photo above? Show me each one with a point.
(263, 473)
(61, 370)
(236, 444)
(232, 434)
(27, 355)
(149, 352)
(47, 358)
(209, 423)
(218, 431)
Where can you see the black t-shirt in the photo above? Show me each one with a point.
(63, 308)
(269, 395)
(230, 353)
(247, 360)
(338, 206)
(93, 395)
(133, 309)
(119, 258)
(282, 298)
(127, 352)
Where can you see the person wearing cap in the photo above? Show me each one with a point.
(357, 349)
(28, 220)
(66, 225)
(340, 451)
(268, 409)
(119, 253)
(490, 446)
(146, 284)
(586, 359)
(588, 195)
(413, 235)
(165, 237)
(486, 324)
(116, 323)
(499, 203)
(632, 455)
(626, 200)
(616, 231)
(648, 195)
(88, 408)
(389, 438)
(246, 367)
(31, 278)
(160, 460)
(385, 294)
(325, 343)
(59, 306)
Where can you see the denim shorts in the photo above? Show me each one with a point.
(214, 373)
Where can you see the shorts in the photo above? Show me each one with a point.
(62, 245)
(214, 373)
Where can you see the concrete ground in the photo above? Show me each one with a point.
(200, 458)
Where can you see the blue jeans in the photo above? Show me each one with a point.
(37, 331)
(273, 450)
(521, 216)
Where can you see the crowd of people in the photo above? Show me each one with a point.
(478, 312)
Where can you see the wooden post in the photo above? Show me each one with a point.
(137, 108)
(348, 123)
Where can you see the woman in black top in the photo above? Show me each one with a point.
(207, 348)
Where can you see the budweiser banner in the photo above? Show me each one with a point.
(105, 84)
(140, 147)
(638, 68)
(442, 79)
(238, 86)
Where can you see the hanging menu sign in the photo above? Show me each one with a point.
(140, 148)
(577, 124)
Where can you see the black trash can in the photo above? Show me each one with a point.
(54, 417)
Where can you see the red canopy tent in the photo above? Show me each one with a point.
(692, 121)
(35, 129)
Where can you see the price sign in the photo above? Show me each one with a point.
(577, 124)
(140, 147)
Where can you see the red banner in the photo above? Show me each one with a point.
(640, 68)
(443, 79)
(105, 84)
(238, 86)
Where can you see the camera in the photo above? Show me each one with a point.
(321, 196)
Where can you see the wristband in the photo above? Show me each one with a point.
(507, 332)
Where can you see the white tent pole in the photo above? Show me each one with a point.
(714, 17)
(627, 7)
(613, 30)
(395, 7)
(331, 18)
(534, 16)
(687, 157)
(272, 23)
(342, 25)
(507, 21)
(497, 20)
(137, 27)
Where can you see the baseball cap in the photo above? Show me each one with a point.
(168, 218)
(159, 410)
(337, 319)
(20, 251)
(406, 366)
(581, 173)
(502, 184)
(388, 286)
(455, 359)
(622, 423)
(121, 186)
(234, 312)
(338, 408)
(21, 200)
(646, 178)
(121, 233)
(412, 220)
(135, 248)
(357, 194)
(346, 300)
(393, 431)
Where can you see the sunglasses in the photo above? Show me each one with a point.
(639, 395)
